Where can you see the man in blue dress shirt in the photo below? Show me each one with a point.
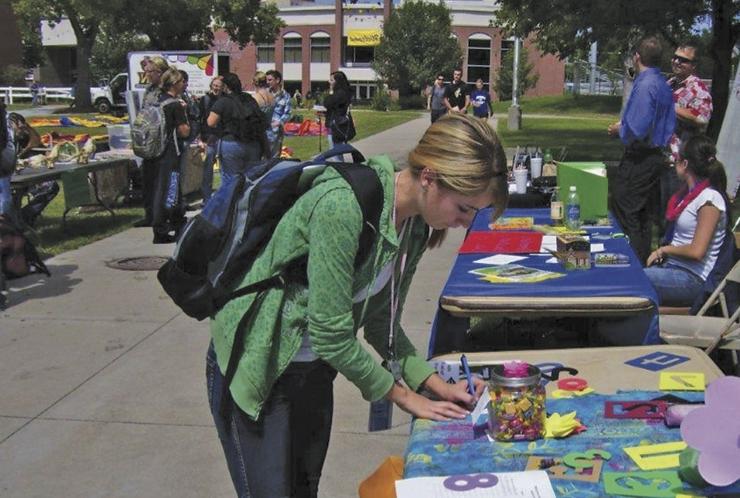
(645, 130)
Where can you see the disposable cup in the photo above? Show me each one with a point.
(520, 178)
(536, 165)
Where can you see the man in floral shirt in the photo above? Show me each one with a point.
(693, 104)
(692, 98)
(281, 113)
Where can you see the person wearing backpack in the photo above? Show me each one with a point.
(244, 140)
(167, 212)
(154, 68)
(277, 418)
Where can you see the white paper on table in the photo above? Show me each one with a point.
(499, 259)
(506, 485)
(481, 406)
(549, 242)
(597, 247)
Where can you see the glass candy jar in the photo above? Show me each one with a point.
(517, 411)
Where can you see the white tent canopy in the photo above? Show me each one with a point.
(728, 143)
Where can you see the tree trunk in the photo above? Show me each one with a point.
(82, 85)
(722, 43)
(86, 36)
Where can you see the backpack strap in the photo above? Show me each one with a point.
(369, 192)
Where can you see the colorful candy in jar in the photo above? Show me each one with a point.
(517, 411)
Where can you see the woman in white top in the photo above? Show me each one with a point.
(698, 220)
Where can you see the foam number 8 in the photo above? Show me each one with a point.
(584, 460)
(466, 482)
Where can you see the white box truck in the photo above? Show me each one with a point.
(201, 66)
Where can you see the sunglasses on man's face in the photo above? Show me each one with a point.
(681, 60)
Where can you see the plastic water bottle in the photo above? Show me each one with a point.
(573, 210)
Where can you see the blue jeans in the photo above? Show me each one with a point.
(282, 453)
(675, 285)
(206, 187)
(332, 144)
(236, 158)
(6, 196)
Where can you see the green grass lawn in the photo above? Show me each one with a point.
(565, 105)
(366, 122)
(85, 228)
(583, 139)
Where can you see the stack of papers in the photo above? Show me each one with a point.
(484, 485)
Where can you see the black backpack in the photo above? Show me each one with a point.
(252, 121)
(217, 247)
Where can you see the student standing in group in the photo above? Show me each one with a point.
(243, 141)
(154, 68)
(337, 103)
(481, 101)
(276, 431)
(8, 152)
(167, 215)
(645, 129)
(209, 136)
(697, 223)
(436, 98)
(693, 105)
(280, 113)
(456, 93)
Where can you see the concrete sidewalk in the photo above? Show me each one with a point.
(102, 387)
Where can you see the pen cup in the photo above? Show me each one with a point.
(520, 178)
(536, 165)
(517, 411)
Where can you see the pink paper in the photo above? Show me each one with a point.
(714, 430)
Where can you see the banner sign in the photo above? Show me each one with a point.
(363, 37)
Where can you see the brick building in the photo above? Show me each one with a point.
(322, 36)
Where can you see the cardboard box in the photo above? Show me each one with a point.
(592, 186)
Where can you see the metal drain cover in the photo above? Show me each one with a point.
(139, 263)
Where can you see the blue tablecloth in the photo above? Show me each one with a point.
(456, 447)
(628, 281)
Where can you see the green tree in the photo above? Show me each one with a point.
(110, 53)
(167, 24)
(417, 44)
(505, 77)
(563, 26)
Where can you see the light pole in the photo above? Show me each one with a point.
(515, 112)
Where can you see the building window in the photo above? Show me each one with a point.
(357, 56)
(266, 53)
(364, 90)
(292, 50)
(320, 49)
(506, 45)
(479, 59)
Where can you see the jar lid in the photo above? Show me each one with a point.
(499, 378)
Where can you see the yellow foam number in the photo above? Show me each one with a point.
(681, 381)
(656, 456)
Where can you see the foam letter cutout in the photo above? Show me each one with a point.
(656, 456)
(681, 381)
(656, 484)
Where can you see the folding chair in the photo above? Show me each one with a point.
(707, 331)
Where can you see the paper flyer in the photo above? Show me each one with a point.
(531, 484)
(514, 274)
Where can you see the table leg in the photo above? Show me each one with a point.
(449, 333)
